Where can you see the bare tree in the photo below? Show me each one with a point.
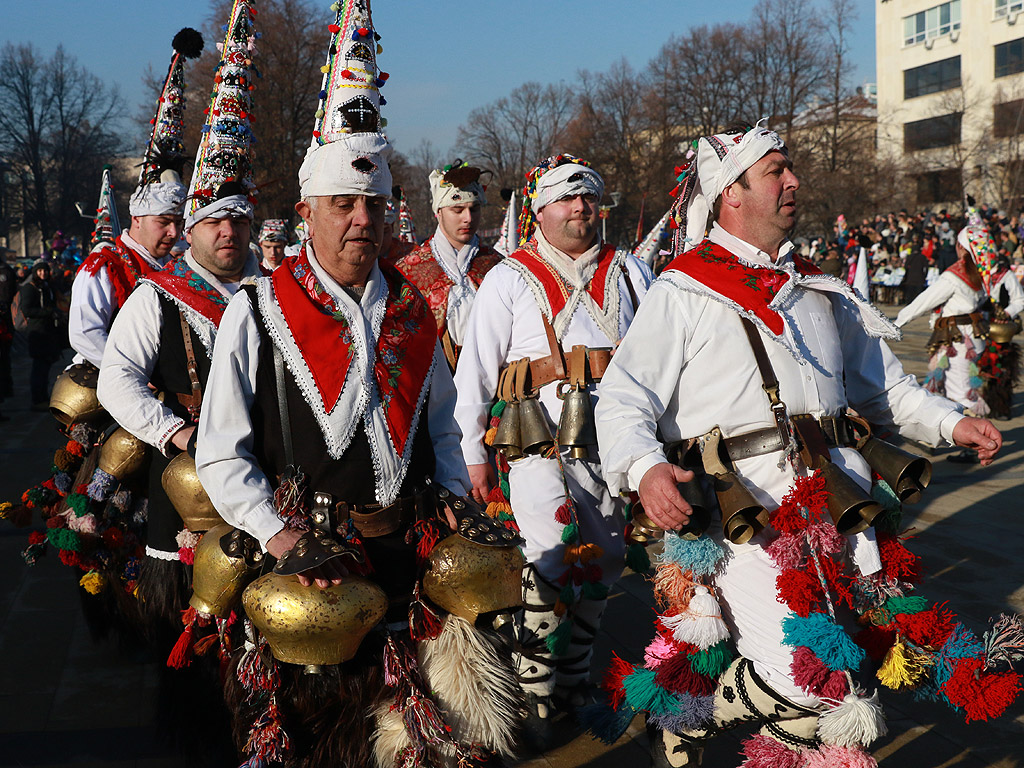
(58, 126)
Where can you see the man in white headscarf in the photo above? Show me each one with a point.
(449, 267)
(545, 320)
(738, 335)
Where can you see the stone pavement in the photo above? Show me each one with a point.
(66, 700)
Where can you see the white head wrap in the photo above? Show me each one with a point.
(354, 164)
(225, 208)
(445, 195)
(163, 198)
(567, 180)
(721, 159)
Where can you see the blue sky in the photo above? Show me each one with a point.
(445, 57)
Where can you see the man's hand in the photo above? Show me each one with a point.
(180, 438)
(481, 477)
(328, 574)
(979, 435)
(662, 501)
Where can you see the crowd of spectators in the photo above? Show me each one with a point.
(905, 252)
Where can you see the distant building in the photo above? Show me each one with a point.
(951, 97)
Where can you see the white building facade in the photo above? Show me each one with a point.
(950, 79)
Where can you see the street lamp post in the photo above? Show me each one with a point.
(603, 212)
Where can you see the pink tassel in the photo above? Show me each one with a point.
(766, 752)
(825, 539)
(786, 551)
(809, 672)
(836, 687)
(838, 757)
(658, 651)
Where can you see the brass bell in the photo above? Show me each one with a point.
(122, 454)
(312, 626)
(507, 439)
(1003, 333)
(643, 530)
(742, 515)
(468, 579)
(851, 508)
(73, 400)
(533, 427)
(186, 493)
(908, 475)
(576, 428)
(217, 578)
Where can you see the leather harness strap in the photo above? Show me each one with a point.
(194, 400)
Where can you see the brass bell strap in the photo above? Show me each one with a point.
(194, 400)
(373, 520)
(837, 431)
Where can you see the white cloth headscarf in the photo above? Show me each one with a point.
(354, 164)
(567, 180)
(721, 159)
(163, 198)
(444, 195)
(225, 208)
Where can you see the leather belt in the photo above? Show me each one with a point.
(971, 319)
(373, 520)
(837, 430)
(546, 370)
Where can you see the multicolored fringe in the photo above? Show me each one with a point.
(675, 685)
(918, 645)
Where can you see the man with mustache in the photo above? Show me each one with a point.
(545, 320)
(449, 267)
(742, 361)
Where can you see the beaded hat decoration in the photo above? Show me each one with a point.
(224, 160)
(166, 149)
(106, 226)
(274, 231)
(348, 155)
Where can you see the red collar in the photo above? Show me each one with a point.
(959, 270)
(556, 290)
(752, 288)
(405, 344)
(124, 268)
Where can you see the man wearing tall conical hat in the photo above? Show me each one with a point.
(110, 272)
(741, 364)
(328, 435)
(449, 267)
(543, 326)
(162, 339)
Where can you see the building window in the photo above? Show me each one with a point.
(931, 133)
(1010, 57)
(931, 78)
(1008, 119)
(934, 22)
(1005, 7)
(939, 186)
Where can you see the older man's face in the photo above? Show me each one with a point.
(347, 232)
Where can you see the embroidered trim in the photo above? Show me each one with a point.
(162, 441)
(203, 326)
(160, 554)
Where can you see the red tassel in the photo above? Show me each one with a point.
(333, 29)
(612, 680)
(562, 516)
(203, 644)
(809, 672)
(981, 695)
(898, 562)
(799, 590)
(676, 675)
(927, 628)
(181, 653)
(495, 495)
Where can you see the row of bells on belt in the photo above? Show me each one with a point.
(851, 508)
(523, 428)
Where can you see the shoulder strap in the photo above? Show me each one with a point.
(769, 381)
(629, 287)
(193, 401)
(554, 347)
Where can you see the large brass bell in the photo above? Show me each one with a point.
(851, 508)
(507, 439)
(469, 579)
(908, 475)
(644, 529)
(218, 578)
(576, 428)
(313, 626)
(186, 493)
(1003, 333)
(122, 454)
(73, 399)
(533, 427)
(743, 516)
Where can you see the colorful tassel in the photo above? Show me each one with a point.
(857, 720)
(701, 623)
(902, 668)
(765, 752)
(828, 641)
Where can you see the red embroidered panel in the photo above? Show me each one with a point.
(124, 268)
(555, 288)
(191, 289)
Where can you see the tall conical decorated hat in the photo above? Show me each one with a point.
(348, 154)
(160, 190)
(106, 226)
(406, 226)
(222, 183)
(508, 240)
